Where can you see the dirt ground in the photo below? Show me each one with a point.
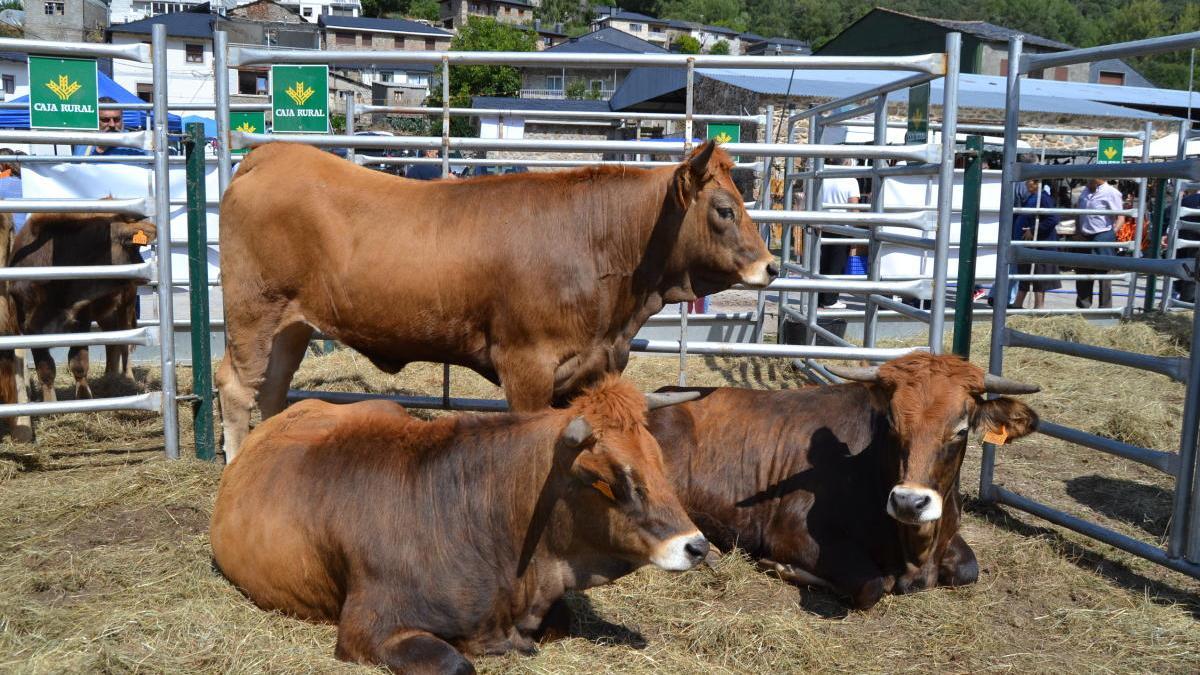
(104, 558)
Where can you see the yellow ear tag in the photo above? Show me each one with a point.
(996, 437)
(140, 238)
(604, 489)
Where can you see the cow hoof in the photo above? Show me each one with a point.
(83, 392)
(21, 433)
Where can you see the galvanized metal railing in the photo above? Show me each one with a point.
(935, 158)
(155, 205)
(1182, 552)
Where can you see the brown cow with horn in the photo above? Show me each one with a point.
(428, 541)
(849, 486)
(538, 281)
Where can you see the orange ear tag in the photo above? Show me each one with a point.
(604, 489)
(996, 437)
(140, 238)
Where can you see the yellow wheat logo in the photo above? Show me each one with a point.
(246, 127)
(1110, 152)
(299, 92)
(723, 137)
(64, 88)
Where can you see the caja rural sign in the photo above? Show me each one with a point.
(300, 99)
(249, 122)
(63, 93)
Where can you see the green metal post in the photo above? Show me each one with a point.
(1156, 231)
(202, 387)
(968, 245)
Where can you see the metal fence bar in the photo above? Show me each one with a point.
(902, 309)
(918, 153)
(1167, 462)
(423, 402)
(162, 210)
(248, 56)
(1188, 168)
(220, 64)
(1180, 269)
(1088, 529)
(138, 206)
(535, 115)
(881, 90)
(1174, 367)
(134, 336)
(368, 160)
(785, 351)
(151, 401)
(941, 257)
(140, 140)
(131, 52)
(868, 171)
(144, 271)
(1169, 43)
(918, 220)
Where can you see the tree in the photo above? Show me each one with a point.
(721, 47)
(481, 34)
(728, 13)
(578, 90)
(686, 44)
(428, 10)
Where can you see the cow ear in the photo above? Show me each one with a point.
(132, 232)
(691, 176)
(1006, 417)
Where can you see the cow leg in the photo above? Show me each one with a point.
(791, 573)
(287, 351)
(248, 344)
(122, 317)
(43, 362)
(21, 428)
(958, 566)
(407, 651)
(77, 360)
(528, 380)
(236, 399)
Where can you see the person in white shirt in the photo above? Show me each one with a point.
(834, 256)
(1099, 228)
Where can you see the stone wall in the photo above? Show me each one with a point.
(560, 132)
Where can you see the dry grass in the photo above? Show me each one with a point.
(105, 567)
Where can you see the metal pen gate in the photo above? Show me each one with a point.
(1182, 552)
(938, 157)
(154, 204)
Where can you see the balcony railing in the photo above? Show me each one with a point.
(560, 94)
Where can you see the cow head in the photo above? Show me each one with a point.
(931, 403)
(718, 242)
(620, 500)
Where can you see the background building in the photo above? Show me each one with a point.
(66, 20)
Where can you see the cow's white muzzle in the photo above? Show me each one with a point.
(914, 505)
(681, 552)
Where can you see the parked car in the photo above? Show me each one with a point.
(495, 170)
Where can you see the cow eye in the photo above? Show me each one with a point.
(725, 212)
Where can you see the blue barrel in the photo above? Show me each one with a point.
(856, 264)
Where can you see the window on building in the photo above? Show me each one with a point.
(421, 79)
(306, 11)
(385, 76)
(193, 53)
(252, 82)
(554, 82)
(157, 8)
(1110, 77)
(145, 91)
(10, 84)
(1062, 74)
(342, 11)
(344, 39)
(54, 8)
(430, 44)
(635, 28)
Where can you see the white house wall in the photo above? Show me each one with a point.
(186, 82)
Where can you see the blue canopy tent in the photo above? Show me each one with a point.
(18, 118)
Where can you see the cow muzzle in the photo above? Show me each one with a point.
(914, 505)
(760, 273)
(681, 552)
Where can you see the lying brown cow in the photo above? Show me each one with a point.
(70, 306)
(850, 486)
(537, 281)
(422, 540)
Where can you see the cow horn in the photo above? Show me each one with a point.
(577, 433)
(995, 384)
(660, 400)
(857, 373)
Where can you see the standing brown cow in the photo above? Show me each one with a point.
(70, 306)
(850, 486)
(538, 281)
(422, 540)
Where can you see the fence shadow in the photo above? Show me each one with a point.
(1090, 560)
(1147, 507)
(587, 624)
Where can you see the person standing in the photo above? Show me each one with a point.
(1036, 227)
(1191, 200)
(1097, 228)
(111, 122)
(426, 171)
(834, 255)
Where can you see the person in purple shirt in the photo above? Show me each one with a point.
(1098, 228)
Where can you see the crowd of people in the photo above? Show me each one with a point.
(1104, 229)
